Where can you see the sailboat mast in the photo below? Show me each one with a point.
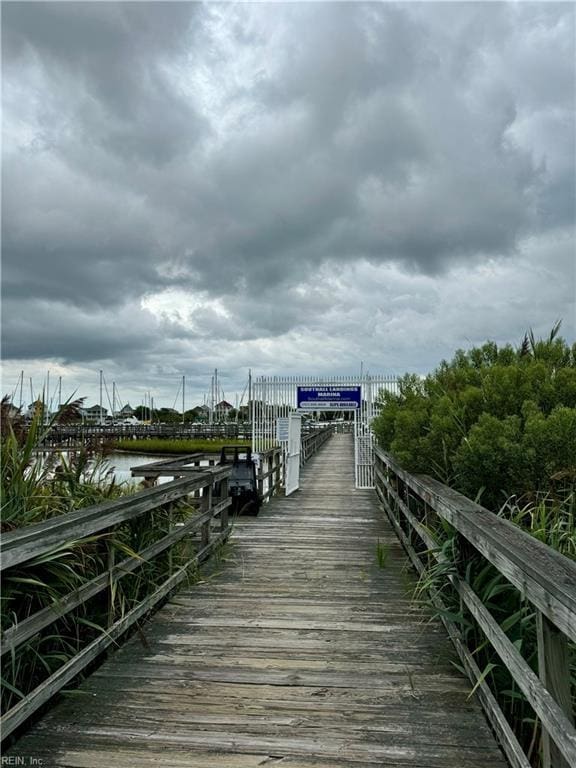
(183, 397)
(101, 421)
(250, 408)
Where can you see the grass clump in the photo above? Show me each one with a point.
(161, 446)
(382, 552)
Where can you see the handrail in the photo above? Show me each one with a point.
(312, 442)
(270, 463)
(31, 541)
(544, 577)
(269, 475)
(22, 546)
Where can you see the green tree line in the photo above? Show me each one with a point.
(494, 422)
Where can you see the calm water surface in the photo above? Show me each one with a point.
(121, 463)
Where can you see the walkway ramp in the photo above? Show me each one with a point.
(301, 651)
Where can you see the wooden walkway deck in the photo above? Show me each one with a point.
(301, 652)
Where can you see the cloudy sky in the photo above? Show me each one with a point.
(292, 188)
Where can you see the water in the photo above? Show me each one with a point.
(121, 463)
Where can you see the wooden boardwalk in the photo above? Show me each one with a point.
(301, 651)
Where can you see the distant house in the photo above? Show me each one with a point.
(199, 412)
(94, 414)
(222, 409)
(126, 415)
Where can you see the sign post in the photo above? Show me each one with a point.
(293, 453)
(282, 429)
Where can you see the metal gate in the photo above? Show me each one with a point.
(293, 453)
(275, 397)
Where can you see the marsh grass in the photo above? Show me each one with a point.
(382, 552)
(550, 518)
(160, 446)
(33, 491)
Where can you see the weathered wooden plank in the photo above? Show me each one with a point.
(554, 672)
(101, 753)
(376, 752)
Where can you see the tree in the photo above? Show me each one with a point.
(492, 421)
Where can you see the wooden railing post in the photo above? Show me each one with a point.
(224, 517)
(538, 572)
(554, 672)
(206, 505)
(170, 518)
(278, 473)
(270, 471)
(260, 479)
(111, 582)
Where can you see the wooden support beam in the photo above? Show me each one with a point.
(554, 672)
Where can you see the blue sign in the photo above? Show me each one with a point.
(329, 398)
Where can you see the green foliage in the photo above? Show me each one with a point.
(38, 486)
(495, 422)
(382, 552)
(34, 485)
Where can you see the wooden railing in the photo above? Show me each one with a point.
(544, 577)
(313, 441)
(268, 476)
(76, 433)
(206, 494)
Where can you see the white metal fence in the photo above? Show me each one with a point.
(275, 397)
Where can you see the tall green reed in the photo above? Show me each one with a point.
(35, 489)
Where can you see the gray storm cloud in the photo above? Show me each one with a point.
(245, 153)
